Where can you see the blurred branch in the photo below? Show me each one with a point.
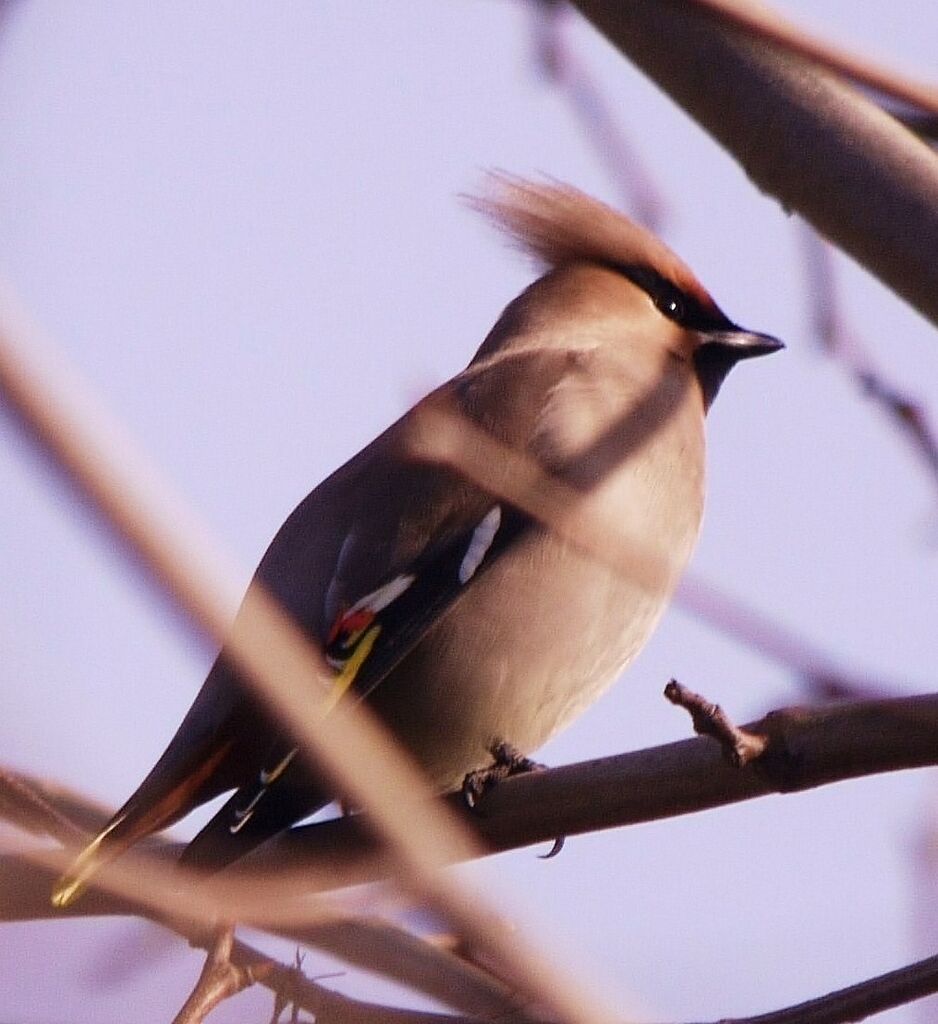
(850, 1004)
(801, 135)
(24, 895)
(820, 675)
(439, 433)
(137, 888)
(22, 803)
(562, 68)
(842, 343)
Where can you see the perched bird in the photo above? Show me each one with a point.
(462, 621)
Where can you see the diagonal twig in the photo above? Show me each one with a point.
(842, 343)
(560, 65)
(22, 803)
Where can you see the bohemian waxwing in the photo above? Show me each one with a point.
(464, 622)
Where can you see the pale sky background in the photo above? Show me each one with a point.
(239, 221)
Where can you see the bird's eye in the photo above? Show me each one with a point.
(672, 305)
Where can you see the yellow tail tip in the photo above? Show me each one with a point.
(67, 889)
(74, 882)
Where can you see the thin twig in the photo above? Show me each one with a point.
(561, 67)
(842, 343)
(741, 746)
(292, 988)
(220, 979)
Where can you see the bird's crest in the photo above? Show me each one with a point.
(558, 224)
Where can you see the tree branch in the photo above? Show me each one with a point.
(808, 747)
(802, 748)
(858, 1001)
(220, 979)
(378, 946)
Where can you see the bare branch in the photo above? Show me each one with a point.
(808, 747)
(220, 979)
(858, 1001)
(328, 1007)
(377, 946)
(850, 1004)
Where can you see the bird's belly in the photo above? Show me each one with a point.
(531, 644)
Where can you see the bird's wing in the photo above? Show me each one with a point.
(385, 546)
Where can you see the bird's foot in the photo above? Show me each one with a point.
(506, 761)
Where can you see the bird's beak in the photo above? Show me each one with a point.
(721, 349)
(739, 343)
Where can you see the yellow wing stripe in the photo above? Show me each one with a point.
(350, 669)
(73, 881)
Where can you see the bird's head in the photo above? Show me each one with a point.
(658, 294)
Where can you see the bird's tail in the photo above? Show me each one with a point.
(168, 793)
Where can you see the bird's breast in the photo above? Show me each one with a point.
(552, 623)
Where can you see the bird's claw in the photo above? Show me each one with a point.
(506, 761)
